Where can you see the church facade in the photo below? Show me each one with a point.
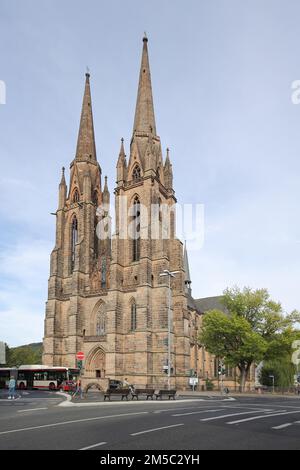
(106, 294)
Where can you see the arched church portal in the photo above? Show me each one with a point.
(95, 363)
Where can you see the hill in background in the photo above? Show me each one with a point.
(26, 354)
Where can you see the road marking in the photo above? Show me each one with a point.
(172, 409)
(235, 414)
(95, 445)
(196, 412)
(156, 429)
(32, 409)
(264, 416)
(70, 422)
(282, 426)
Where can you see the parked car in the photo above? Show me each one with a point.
(68, 386)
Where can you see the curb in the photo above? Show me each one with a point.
(134, 402)
(68, 397)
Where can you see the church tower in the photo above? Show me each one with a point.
(79, 260)
(145, 206)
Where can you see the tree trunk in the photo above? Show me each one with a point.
(243, 378)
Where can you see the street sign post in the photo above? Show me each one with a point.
(80, 356)
(79, 360)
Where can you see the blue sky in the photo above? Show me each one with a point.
(221, 73)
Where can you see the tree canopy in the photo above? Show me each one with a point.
(254, 328)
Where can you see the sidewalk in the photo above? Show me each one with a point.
(217, 394)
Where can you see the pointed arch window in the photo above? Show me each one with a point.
(101, 324)
(74, 239)
(136, 230)
(75, 196)
(136, 174)
(133, 322)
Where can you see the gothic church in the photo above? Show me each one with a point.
(106, 296)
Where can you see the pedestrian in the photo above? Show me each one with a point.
(126, 383)
(11, 388)
(78, 389)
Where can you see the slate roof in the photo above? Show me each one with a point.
(209, 303)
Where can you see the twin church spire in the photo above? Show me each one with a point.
(86, 144)
(147, 143)
(144, 120)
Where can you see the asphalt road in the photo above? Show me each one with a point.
(35, 421)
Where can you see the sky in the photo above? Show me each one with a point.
(222, 72)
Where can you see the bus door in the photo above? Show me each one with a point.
(29, 379)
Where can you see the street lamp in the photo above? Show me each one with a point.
(170, 274)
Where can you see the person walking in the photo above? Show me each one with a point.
(11, 388)
(78, 389)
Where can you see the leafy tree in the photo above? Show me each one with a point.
(283, 371)
(254, 328)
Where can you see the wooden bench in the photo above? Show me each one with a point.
(124, 392)
(168, 393)
(149, 392)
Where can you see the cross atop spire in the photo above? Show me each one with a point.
(86, 147)
(144, 120)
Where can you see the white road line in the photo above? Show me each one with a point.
(95, 445)
(197, 412)
(282, 426)
(234, 414)
(32, 409)
(264, 416)
(71, 422)
(172, 409)
(156, 429)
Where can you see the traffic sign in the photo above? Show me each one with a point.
(80, 356)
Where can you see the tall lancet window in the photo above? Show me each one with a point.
(136, 174)
(74, 239)
(75, 196)
(133, 322)
(136, 229)
(101, 324)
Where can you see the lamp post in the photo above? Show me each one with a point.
(170, 274)
(273, 380)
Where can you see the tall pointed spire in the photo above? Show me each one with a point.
(121, 165)
(187, 279)
(144, 120)
(105, 194)
(86, 147)
(63, 179)
(168, 172)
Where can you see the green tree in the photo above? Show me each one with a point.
(254, 328)
(283, 371)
